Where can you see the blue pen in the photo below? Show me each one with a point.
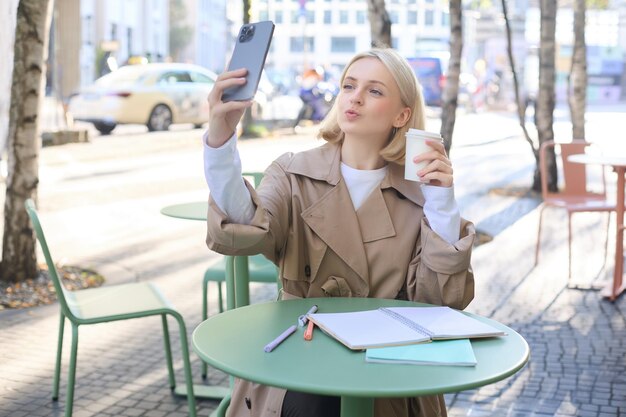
(303, 318)
(271, 345)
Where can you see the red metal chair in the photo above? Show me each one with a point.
(575, 196)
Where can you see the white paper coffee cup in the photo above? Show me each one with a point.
(416, 145)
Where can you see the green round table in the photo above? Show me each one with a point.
(233, 342)
(189, 211)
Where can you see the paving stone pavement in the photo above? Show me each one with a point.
(577, 339)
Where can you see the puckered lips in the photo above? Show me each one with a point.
(351, 114)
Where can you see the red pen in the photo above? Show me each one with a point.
(308, 333)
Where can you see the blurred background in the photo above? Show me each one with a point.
(312, 42)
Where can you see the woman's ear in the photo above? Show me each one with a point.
(402, 118)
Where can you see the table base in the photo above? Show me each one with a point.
(357, 407)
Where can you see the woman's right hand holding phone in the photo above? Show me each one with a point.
(224, 117)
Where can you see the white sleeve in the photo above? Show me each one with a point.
(442, 212)
(222, 171)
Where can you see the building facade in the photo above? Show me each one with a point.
(109, 34)
(328, 33)
(8, 15)
(211, 34)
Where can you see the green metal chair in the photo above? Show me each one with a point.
(106, 304)
(260, 269)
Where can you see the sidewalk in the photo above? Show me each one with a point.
(577, 339)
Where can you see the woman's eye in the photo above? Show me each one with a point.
(376, 92)
(347, 87)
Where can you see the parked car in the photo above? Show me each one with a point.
(430, 72)
(156, 95)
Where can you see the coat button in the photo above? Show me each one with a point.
(307, 271)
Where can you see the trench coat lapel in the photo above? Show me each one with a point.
(374, 218)
(410, 190)
(332, 217)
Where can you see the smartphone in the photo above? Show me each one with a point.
(251, 47)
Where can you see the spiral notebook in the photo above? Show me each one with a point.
(395, 326)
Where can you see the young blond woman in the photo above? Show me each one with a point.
(340, 220)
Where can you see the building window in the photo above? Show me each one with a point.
(429, 18)
(310, 16)
(278, 16)
(360, 17)
(295, 15)
(263, 15)
(328, 17)
(296, 44)
(393, 16)
(342, 44)
(343, 17)
(113, 31)
(445, 19)
(87, 30)
(394, 42)
(411, 17)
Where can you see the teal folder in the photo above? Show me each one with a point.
(457, 352)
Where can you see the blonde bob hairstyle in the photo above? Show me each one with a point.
(410, 94)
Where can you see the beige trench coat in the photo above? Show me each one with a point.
(306, 223)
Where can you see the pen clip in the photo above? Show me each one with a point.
(303, 319)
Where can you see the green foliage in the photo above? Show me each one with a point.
(598, 4)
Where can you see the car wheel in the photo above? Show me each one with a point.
(104, 128)
(160, 118)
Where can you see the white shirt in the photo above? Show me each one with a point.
(222, 171)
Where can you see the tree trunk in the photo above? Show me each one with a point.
(577, 80)
(246, 12)
(451, 89)
(521, 104)
(380, 24)
(19, 260)
(544, 111)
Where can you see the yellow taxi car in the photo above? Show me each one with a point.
(156, 95)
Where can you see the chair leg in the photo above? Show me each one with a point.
(57, 365)
(606, 241)
(219, 296)
(569, 248)
(539, 235)
(69, 402)
(205, 315)
(168, 352)
(221, 409)
(191, 399)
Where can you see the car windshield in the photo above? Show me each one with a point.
(123, 76)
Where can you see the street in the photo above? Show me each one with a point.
(107, 193)
(99, 203)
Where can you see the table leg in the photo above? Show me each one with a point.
(617, 286)
(242, 281)
(357, 407)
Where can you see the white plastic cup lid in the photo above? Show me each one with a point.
(424, 134)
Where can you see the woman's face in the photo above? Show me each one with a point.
(369, 102)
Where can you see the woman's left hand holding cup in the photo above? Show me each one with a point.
(439, 170)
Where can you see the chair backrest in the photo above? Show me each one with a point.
(574, 175)
(52, 270)
(256, 176)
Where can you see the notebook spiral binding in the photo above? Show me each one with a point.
(407, 322)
